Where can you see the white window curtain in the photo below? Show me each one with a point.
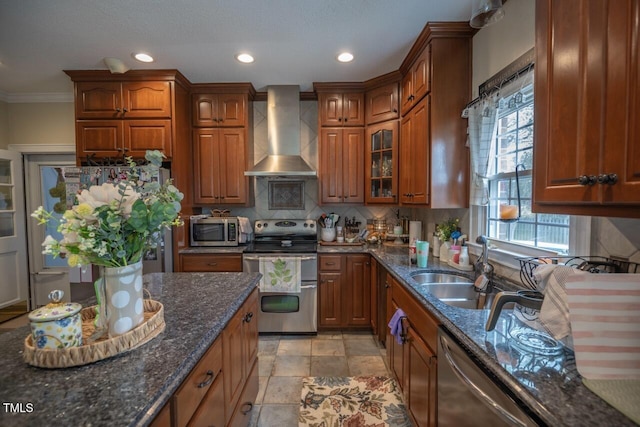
(483, 117)
(482, 128)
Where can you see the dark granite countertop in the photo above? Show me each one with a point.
(549, 386)
(129, 389)
(213, 249)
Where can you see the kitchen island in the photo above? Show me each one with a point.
(132, 388)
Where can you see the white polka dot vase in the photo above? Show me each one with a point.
(123, 294)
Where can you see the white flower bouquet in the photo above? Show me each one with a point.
(114, 224)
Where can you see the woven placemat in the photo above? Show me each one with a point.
(103, 347)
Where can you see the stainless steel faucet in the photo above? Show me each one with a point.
(483, 269)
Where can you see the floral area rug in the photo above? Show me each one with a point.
(351, 402)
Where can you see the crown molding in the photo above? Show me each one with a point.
(26, 98)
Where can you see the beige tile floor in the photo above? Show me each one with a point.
(285, 360)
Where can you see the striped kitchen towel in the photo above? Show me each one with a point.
(605, 324)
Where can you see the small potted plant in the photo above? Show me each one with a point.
(444, 232)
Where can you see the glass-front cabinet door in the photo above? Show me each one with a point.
(382, 163)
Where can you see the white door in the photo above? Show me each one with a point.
(45, 187)
(14, 283)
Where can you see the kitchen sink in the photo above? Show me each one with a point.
(453, 290)
(439, 278)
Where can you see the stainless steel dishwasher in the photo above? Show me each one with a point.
(467, 395)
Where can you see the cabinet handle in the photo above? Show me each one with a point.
(118, 149)
(245, 412)
(386, 285)
(117, 109)
(216, 197)
(395, 110)
(126, 149)
(212, 264)
(248, 317)
(208, 381)
(587, 180)
(124, 110)
(610, 179)
(330, 263)
(220, 120)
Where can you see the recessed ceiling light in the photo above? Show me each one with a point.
(345, 57)
(143, 57)
(245, 58)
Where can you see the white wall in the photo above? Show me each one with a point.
(4, 126)
(40, 123)
(498, 45)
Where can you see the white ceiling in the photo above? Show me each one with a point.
(293, 41)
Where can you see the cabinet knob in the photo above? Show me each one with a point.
(124, 110)
(216, 197)
(587, 180)
(248, 317)
(339, 119)
(610, 178)
(118, 109)
(395, 110)
(386, 285)
(345, 120)
(220, 120)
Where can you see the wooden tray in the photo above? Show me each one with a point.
(103, 347)
(323, 243)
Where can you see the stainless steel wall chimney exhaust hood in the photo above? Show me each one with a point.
(283, 136)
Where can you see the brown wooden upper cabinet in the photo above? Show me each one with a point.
(220, 159)
(416, 83)
(219, 110)
(128, 114)
(341, 174)
(133, 100)
(382, 104)
(434, 162)
(341, 109)
(381, 163)
(587, 132)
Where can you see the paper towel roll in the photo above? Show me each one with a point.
(415, 231)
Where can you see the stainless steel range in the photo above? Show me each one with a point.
(295, 242)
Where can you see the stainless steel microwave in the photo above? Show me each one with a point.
(213, 231)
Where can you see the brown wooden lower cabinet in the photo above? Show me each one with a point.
(344, 295)
(413, 362)
(215, 263)
(221, 389)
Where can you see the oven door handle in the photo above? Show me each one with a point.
(309, 286)
(257, 258)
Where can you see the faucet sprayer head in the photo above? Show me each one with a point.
(481, 240)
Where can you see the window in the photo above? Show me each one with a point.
(512, 146)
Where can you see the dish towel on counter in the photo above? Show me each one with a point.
(605, 324)
(554, 313)
(395, 324)
(280, 274)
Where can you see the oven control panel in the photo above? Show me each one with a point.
(274, 227)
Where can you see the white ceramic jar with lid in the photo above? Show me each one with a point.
(57, 324)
